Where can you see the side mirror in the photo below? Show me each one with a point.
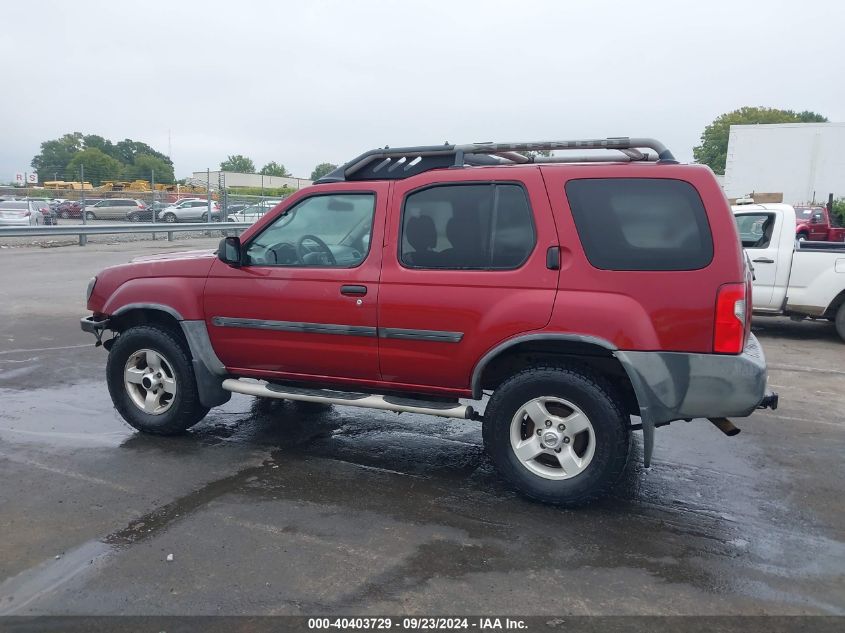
(229, 251)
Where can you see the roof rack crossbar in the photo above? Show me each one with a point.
(413, 159)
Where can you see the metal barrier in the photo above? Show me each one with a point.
(84, 230)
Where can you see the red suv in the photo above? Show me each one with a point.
(573, 291)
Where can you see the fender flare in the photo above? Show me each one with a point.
(208, 369)
(643, 398)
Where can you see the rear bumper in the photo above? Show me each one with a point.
(676, 386)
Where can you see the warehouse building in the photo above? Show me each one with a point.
(235, 179)
(804, 161)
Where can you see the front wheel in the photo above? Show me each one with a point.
(134, 217)
(802, 237)
(90, 215)
(65, 215)
(152, 383)
(557, 434)
(169, 217)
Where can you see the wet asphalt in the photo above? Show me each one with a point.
(277, 508)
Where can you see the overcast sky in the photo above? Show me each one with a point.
(306, 82)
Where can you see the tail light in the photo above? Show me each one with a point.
(731, 319)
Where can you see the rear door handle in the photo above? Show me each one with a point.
(763, 260)
(353, 290)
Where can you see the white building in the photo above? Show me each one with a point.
(235, 179)
(804, 161)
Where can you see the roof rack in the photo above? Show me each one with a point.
(403, 162)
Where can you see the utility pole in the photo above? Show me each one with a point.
(152, 176)
(208, 190)
(83, 239)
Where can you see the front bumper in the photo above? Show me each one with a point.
(677, 386)
(94, 325)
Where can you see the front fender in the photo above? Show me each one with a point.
(181, 297)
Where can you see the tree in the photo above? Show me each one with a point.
(322, 169)
(127, 151)
(99, 166)
(144, 166)
(238, 163)
(274, 169)
(535, 153)
(55, 155)
(713, 150)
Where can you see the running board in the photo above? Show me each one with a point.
(349, 399)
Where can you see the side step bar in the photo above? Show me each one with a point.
(348, 399)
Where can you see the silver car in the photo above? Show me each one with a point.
(119, 209)
(190, 210)
(20, 213)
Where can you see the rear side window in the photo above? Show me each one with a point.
(641, 223)
(467, 227)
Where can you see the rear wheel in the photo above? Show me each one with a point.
(65, 215)
(557, 434)
(840, 321)
(152, 383)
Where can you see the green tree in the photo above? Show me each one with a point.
(713, 150)
(127, 151)
(144, 166)
(238, 163)
(839, 210)
(274, 169)
(55, 155)
(99, 166)
(322, 169)
(535, 153)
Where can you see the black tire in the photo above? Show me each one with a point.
(134, 217)
(90, 215)
(802, 237)
(170, 218)
(595, 397)
(65, 215)
(185, 410)
(840, 321)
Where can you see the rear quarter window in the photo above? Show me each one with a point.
(640, 223)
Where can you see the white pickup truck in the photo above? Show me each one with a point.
(805, 279)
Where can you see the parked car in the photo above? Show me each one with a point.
(70, 209)
(49, 217)
(236, 207)
(248, 214)
(119, 209)
(190, 210)
(20, 213)
(798, 279)
(575, 295)
(813, 223)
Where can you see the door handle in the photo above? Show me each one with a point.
(763, 260)
(353, 290)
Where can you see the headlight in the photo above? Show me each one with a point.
(90, 289)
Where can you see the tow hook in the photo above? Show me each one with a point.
(725, 426)
(769, 401)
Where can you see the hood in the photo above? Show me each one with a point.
(180, 255)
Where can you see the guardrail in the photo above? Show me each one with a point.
(84, 230)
